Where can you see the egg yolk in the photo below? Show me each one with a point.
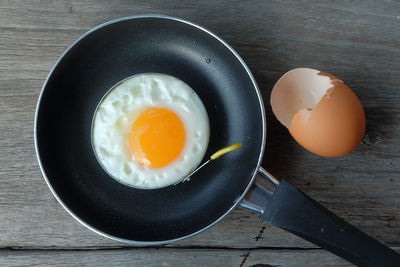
(157, 137)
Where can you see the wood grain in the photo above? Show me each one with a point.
(357, 41)
(170, 257)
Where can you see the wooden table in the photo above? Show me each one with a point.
(356, 41)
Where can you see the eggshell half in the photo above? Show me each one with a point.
(321, 112)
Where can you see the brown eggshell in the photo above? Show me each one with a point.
(335, 125)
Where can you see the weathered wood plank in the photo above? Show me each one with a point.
(171, 257)
(359, 42)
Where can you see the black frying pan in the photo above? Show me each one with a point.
(158, 44)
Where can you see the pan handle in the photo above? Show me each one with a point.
(286, 207)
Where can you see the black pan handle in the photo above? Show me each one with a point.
(292, 210)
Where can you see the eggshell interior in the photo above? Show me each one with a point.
(298, 89)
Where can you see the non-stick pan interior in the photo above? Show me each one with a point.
(114, 52)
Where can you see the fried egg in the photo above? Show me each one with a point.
(150, 131)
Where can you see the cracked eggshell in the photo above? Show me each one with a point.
(321, 112)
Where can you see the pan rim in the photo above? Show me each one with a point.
(237, 201)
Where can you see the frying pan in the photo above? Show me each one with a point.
(124, 47)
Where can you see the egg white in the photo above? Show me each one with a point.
(119, 109)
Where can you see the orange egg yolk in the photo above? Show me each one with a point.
(157, 137)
